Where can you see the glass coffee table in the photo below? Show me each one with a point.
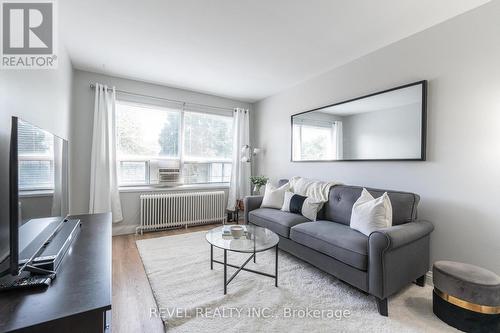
(255, 239)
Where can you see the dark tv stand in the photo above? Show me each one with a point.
(79, 298)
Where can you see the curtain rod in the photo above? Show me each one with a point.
(92, 86)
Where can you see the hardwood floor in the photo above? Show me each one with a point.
(132, 295)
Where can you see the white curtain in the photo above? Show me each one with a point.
(339, 144)
(240, 175)
(104, 195)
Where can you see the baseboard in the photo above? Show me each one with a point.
(124, 229)
(128, 229)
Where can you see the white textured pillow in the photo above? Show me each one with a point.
(311, 208)
(298, 204)
(369, 214)
(273, 197)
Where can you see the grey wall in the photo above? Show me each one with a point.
(41, 97)
(80, 146)
(460, 181)
(393, 133)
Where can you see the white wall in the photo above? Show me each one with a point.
(460, 181)
(80, 146)
(41, 97)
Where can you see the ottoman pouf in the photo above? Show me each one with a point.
(466, 297)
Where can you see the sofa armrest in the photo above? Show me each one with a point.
(397, 256)
(251, 203)
(400, 235)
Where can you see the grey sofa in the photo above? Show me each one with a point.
(379, 265)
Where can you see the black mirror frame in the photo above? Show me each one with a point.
(423, 145)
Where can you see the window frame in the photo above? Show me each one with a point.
(181, 156)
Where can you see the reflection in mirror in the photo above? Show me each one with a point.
(43, 172)
(381, 126)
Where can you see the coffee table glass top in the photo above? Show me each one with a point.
(255, 239)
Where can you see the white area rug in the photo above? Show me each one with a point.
(190, 296)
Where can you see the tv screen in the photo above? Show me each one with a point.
(5, 133)
(38, 189)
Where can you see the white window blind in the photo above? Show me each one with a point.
(36, 158)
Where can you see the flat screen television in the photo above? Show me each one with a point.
(38, 193)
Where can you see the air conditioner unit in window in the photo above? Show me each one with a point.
(168, 173)
(169, 176)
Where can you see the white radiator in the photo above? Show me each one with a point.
(181, 209)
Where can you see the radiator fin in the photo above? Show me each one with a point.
(166, 210)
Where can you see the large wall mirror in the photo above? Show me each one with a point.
(388, 125)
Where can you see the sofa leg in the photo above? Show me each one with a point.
(420, 281)
(382, 306)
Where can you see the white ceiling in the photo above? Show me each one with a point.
(243, 49)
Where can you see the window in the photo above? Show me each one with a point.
(143, 134)
(211, 172)
(133, 172)
(207, 136)
(151, 136)
(36, 158)
(207, 148)
(313, 142)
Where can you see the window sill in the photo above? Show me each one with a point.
(136, 189)
(36, 193)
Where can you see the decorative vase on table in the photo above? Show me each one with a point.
(257, 190)
(258, 182)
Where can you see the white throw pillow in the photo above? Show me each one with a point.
(369, 214)
(299, 204)
(273, 197)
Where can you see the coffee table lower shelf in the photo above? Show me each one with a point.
(242, 267)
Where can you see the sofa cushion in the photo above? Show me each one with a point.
(342, 198)
(275, 220)
(335, 240)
